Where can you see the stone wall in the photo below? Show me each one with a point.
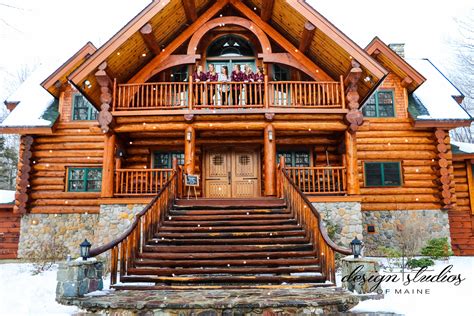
(78, 277)
(57, 235)
(412, 228)
(343, 220)
(45, 236)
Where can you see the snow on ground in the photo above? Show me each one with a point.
(443, 298)
(6, 196)
(22, 293)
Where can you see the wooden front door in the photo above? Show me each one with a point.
(232, 173)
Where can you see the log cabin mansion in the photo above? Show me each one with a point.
(313, 141)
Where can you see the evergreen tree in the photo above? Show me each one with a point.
(8, 165)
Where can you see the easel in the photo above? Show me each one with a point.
(191, 181)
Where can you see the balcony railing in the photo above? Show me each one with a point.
(229, 95)
(319, 180)
(140, 182)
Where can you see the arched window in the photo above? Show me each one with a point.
(230, 45)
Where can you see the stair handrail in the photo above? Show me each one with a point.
(309, 218)
(125, 248)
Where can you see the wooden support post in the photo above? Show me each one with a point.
(351, 164)
(108, 165)
(105, 118)
(307, 37)
(269, 154)
(354, 117)
(281, 167)
(149, 38)
(189, 149)
(190, 10)
(267, 10)
(266, 86)
(190, 92)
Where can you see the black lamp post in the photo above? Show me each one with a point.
(85, 247)
(356, 246)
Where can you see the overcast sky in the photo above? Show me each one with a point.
(53, 30)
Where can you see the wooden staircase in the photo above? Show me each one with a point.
(223, 242)
(242, 243)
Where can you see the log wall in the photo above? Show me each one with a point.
(461, 219)
(72, 144)
(9, 232)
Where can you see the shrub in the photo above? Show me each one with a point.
(392, 255)
(437, 248)
(419, 263)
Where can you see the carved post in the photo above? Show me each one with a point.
(23, 178)
(108, 166)
(105, 117)
(189, 149)
(269, 153)
(353, 186)
(354, 117)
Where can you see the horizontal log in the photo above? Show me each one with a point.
(395, 140)
(47, 180)
(70, 139)
(418, 198)
(399, 206)
(72, 145)
(394, 147)
(403, 190)
(422, 155)
(48, 187)
(69, 153)
(64, 195)
(419, 176)
(65, 209)
(68, 202)
(388, 133)
(68, 160)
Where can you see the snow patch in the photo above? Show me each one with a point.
(436, 93)
(33, 100)
(7, 196)
(465, 147)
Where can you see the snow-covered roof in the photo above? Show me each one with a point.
(466, 148)
(7, 197)
(34, 101)
(436, 94)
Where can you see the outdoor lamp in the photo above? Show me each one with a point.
(85, 247)
(270, 135)
(356, 246)
(189, 135)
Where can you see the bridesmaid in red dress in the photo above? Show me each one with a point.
(199, 76)
(250, 88)
(260, 78)
(212, 76)
(236, 76)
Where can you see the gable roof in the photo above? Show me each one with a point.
(126, 52)
(395, 63)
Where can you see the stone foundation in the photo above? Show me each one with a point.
(343, 220)
(412, 228)
(78, 277)
(54, 236)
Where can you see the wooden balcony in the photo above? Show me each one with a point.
(319, 180)
(168, 96)
(140, 182)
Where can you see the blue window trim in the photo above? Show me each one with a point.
(376, 96)
(382, 173)
(84, 179)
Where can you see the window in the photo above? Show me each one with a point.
(382, 174)
(295, 158)
(179, 74)
(82, 110)
(84, 179)
(380, 104)
(281, 73)
(164, 160)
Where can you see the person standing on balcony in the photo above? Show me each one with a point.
(224, 77)
(260, 78)
(199, 76)
(237, 77)
(249, 88)
(212, 76)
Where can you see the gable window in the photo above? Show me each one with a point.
(295, 158)
(380, 174)
(84, 179)
(380, 104)
(82, 110)
(164, 160)
(281, 73)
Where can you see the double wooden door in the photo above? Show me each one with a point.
(232, 173)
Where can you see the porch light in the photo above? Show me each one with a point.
(85, 247)
(270, 135)
(189, 136)
(356, 246)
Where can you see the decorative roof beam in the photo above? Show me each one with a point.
(281, 40)
(307, 37)
(406, 82)
(145, 72)
(267, 10)
(105, 117)
(190, 10)
(354, 117)
(149, 38)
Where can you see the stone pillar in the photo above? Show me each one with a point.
(353, 269)
(269, 154)
(78, 277)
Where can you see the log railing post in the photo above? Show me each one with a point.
(266, 102)
(190, 93)
(108, 166)
(281, 167)
(351, 163)
(269, 151)
(343, 97)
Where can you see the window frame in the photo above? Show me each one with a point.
(377, 104)
(90, 109)
(85, 178)
(293, 153)
(170, 154)
(383, 185)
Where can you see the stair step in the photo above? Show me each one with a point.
(229, 212)
(228, 279)
(229, 255)
(227, 228)
(226, 241)
(222, 222)
(227, 248)
(229, 203)
(223, 270)
(221, 263)
(216, 235)
(221, 217)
